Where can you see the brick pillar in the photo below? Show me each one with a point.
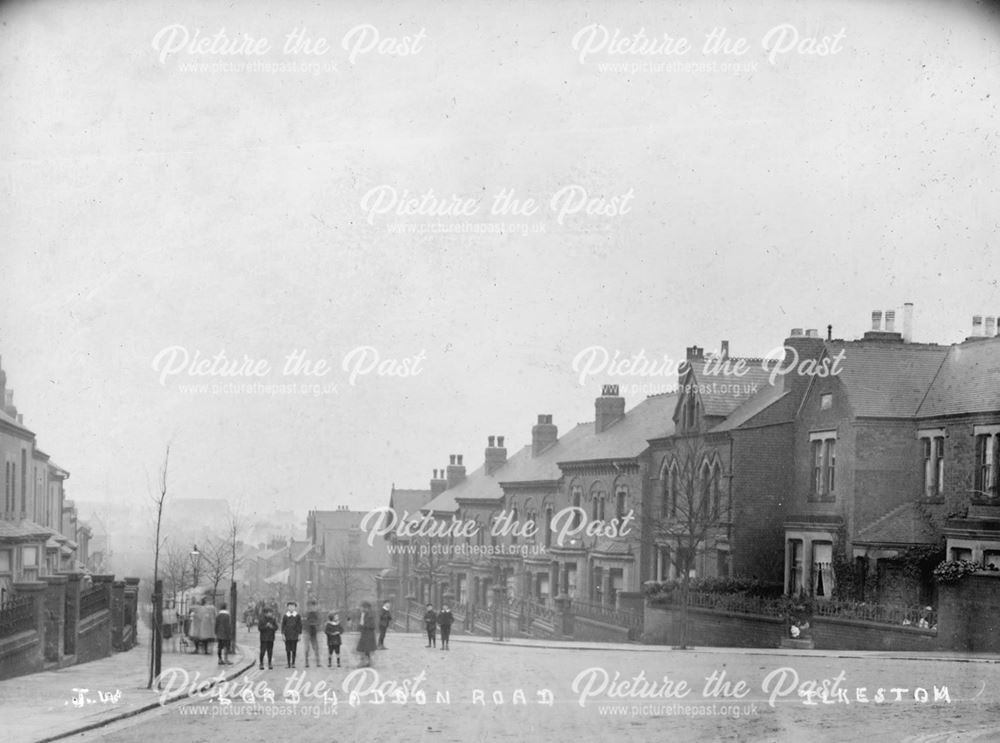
(132, 610)
(71, 613)
(117, 614)
(55, 612)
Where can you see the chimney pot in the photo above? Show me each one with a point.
(977, 325)
(492, 441)
(829, 332)
(724, 349)
(459, 460)
(812, 333)
(451, 459)
(609, 390)
(796, 333)
(500, 441)
(990, 327)
(890, 321)
(876, 319)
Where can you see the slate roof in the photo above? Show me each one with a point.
(902, 525)
(409, 501)
(968, 381)
(625, 439)
(765, 398)
(11, 421)
(887, 379)
(628, 437)
(721, 393)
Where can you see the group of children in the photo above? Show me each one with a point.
(433, 620)
(292, 629)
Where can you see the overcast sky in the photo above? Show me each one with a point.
(154, 196)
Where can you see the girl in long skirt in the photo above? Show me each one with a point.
(366, 642)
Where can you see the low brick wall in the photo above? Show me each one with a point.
(727, 629)
(21, 653)
(662, 626)
(852, 634)
(591, 630)
(93, 640)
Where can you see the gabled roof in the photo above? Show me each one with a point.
(902, 525)
(765, 398)
(408, 501)
(968, 381)
(721, 393)
(300, 549)
(887, 379)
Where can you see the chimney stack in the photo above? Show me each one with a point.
(438, 483)
(609, 408)
(829, 332)
(456, 471)
(908, 322)
(543, 435)
(876, 319)
(495, 456)
(724, 350)
(8, 403)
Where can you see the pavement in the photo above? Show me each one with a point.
(55, 704)
(51, 705)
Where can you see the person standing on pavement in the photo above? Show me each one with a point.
(224, 631)
(203, 625)
(267, 626)
(384, 620)
(445, 619)
(430, 624)
(333, 631)
(312, 623)
(291, 628)
(366, 642)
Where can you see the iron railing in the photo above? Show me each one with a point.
(17, 615)
(93, 600)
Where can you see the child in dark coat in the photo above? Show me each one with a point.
(291, 628)
(444, 620)
(430, 624)
(267, 626)
(333, 631)
(384, 620)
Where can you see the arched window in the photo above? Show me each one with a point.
(577, 503)
(674, 486)
(621, 503)
(548, 526)
(705, 491)
(514, 524)
(717, 491)
(597, 505)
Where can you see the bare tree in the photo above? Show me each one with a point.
(156, 646)
(343, 566)
(695, 511)
(216, 561)
(177, 570)
(234, 529)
